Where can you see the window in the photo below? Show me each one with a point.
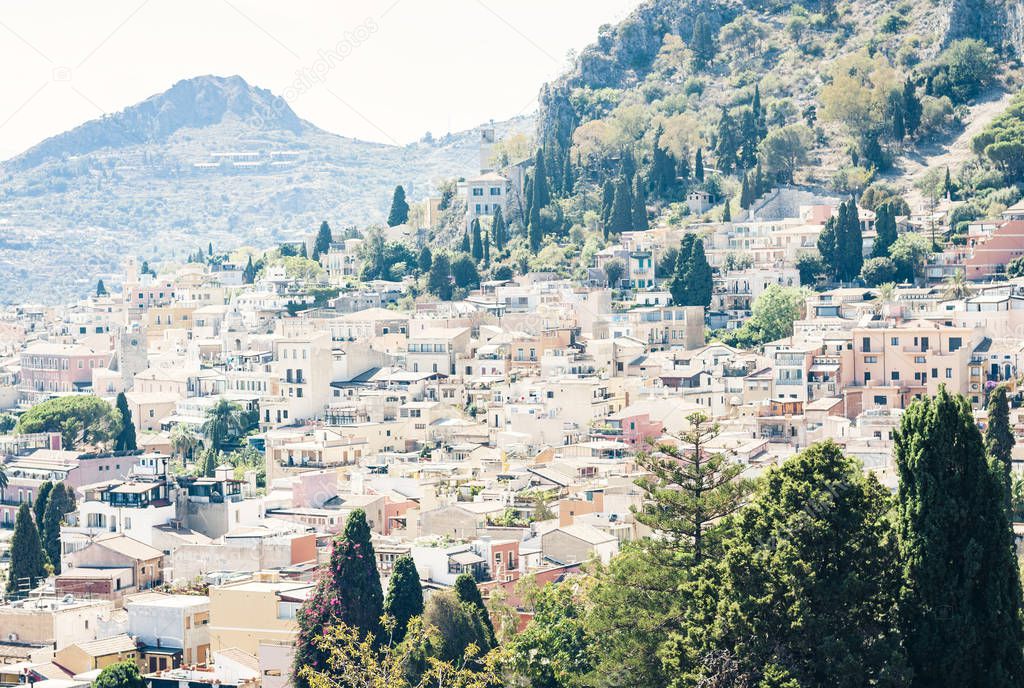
(866, 344)
(949, 373)
(880, 400)
(871, 359)
(955, 343)
(895, 375)
(478, 191)
(894, 341)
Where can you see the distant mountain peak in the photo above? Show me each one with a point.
(197, 102)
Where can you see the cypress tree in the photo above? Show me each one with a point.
(726, 211)
(399, 214)
(679, 285)
(663, 167)
(568, 177)
(478, 245)
(323, 240)
(607, 199)
(405, 596)
(499, 229)
(885, 226)
(249, 273)
(749, 138)
(852, 247)
(439, 283)
(302, 250)
(425, 260)
(536, 228)
(28, 560)
(759, 187)
(56, 506)
(745, 193)
(639, 213)
(621, 219)
(467, 592)
(684, 167)
(702, 42)
(487, 249)
(125, 440)
(899, 128)
(698, 166)
(39, 506)
(728, 143)
(348, 592)
(947, 185)
(999, 443)
(101, 289)
(541, 192)
(960, 605)
(465, 246)
(758, 111)
(911, 108)
(699, 276)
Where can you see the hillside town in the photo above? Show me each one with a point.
(498, 432)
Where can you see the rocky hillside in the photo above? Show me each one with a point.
(212, 159)
(646, 71)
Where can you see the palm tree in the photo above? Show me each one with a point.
(886, 295)
(183, 440)
(956, 286)
(223, 422)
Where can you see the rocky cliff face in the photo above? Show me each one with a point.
(1000, 23)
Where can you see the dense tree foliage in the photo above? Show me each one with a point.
(120, 675)
(80, 420)
(960, 602)
(399, 213)
(28, 560)
(125, 440)
(405, 596)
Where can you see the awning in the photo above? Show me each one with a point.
(466, 558)
(824, 368)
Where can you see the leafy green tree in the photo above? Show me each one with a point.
(811, 267)
(772, 317)
(809, 584)
(323, 241)
(223, 423)
(911, 108)
(464, 272)
(458, 624)
(405, 596)
(183, 440)
(679, 285)
(909, 252)
(960, 602)
(28, 560)
(621, 218)
(966, 67)
(666, 265)
(691, 285)
(39, 506)
(439, 283)
(206, 463)
(80, 420)
(999, 441)
(615, 270)
(125, 440)
(120, 675)
(554, 650)
(841, 243)
(785, 150)
(399, 214)
(348, 592)
(477, 250)
(467, 591)
(57, 505)
(607, 200)
(878, 271)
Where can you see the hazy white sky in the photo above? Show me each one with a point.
(384, 70)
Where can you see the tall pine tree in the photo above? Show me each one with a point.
(57, 505)
(960, 605)
(698, 166)
(639, 213)
(39, 506)
(323, 240)
(499, 230)
(468, 592)
(621, 219)
(477, 250)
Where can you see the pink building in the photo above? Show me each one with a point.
(55, 368)
(630, 427)
(991, 255)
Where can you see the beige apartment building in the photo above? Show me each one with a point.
(261, 609)
(893, 364)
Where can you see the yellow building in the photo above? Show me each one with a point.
(97, 654)
(260, 609)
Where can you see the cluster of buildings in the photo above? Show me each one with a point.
(496, 435)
